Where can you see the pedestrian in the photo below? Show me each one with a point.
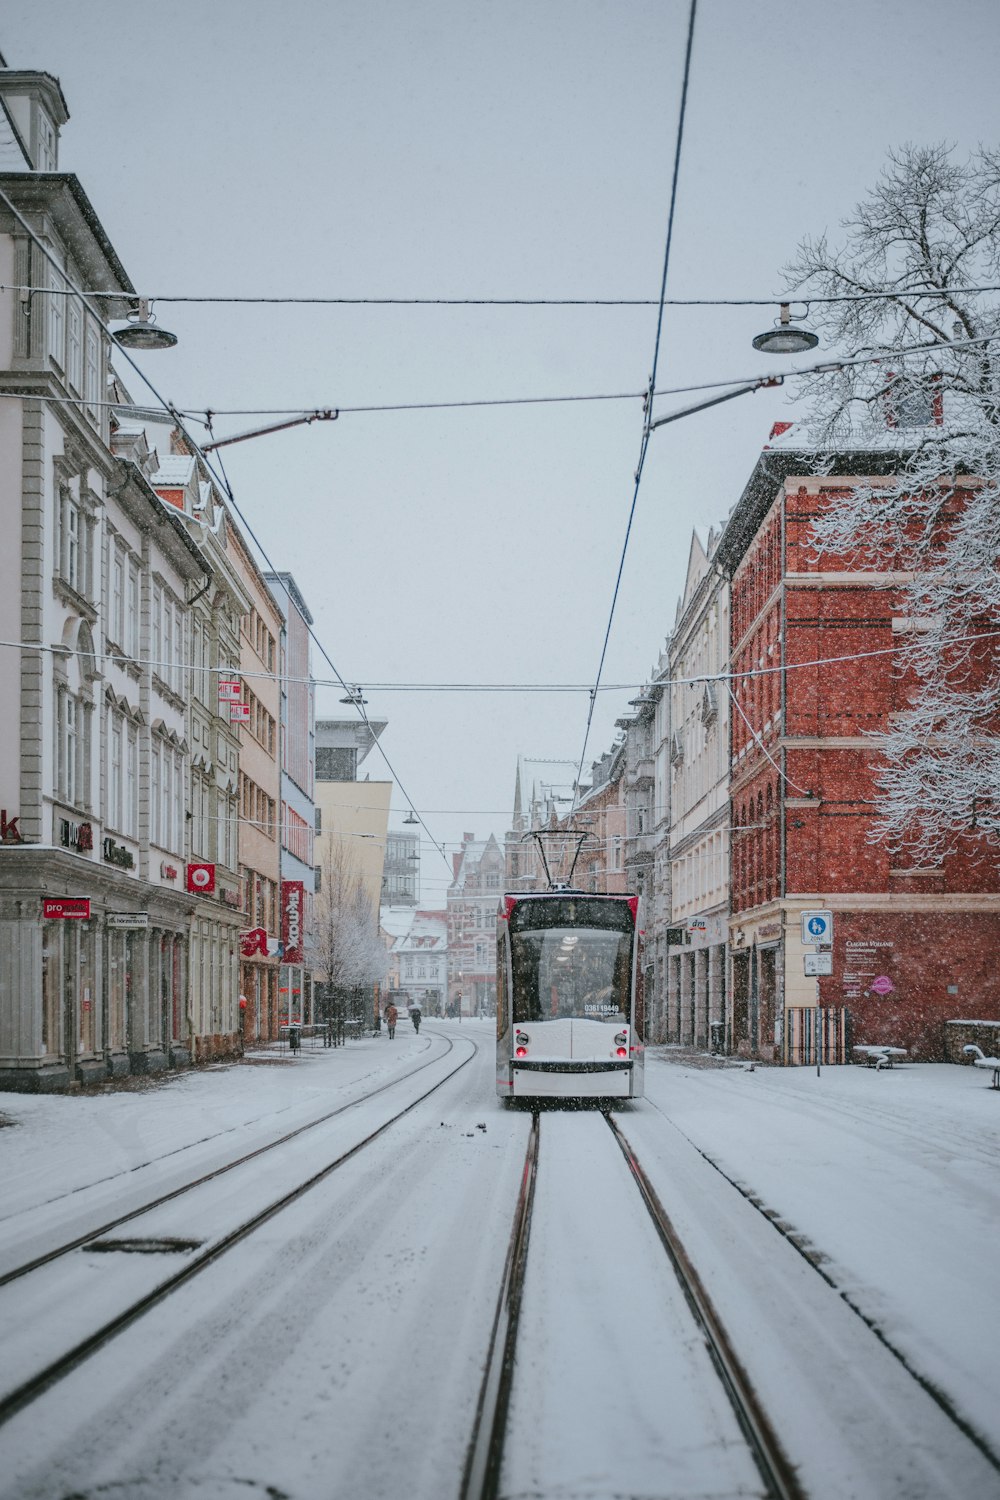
(391, 1017)
(415, 1017)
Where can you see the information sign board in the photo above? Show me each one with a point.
(817, 927)
(818, 963)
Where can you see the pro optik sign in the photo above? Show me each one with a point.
(292, 897)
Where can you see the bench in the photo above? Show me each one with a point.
(880, 1057)
(980, 1060)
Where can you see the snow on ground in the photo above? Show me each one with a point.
(366, 1385)
(891, 1175)
(60, 1143)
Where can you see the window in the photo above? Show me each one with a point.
(155, 781)
(74, 345)
(71, 545)
(68, 748)
(115, 769)
(157, 641)
(131, 641)
(57, 319)
(117, 610)
(130, 818)
(92, 372)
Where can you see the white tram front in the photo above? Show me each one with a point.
(569, 999)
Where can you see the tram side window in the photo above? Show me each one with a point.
(503, 1020)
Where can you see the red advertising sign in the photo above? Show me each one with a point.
(292, 904)
(65, 907)
(201, 879)
(230, 692)
(239, 713)
(254, 941)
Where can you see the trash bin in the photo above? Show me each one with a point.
(717, 1032)
(294, 1038)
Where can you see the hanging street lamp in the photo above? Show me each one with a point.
(785, 337)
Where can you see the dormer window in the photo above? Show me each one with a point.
(709, 711)
(913, 402)
(45, 150)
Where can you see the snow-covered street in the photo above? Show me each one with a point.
(844, 1226)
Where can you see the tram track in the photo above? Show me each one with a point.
(815, 1258)
(485, 1454)
(31, 1389)
(109, 1225)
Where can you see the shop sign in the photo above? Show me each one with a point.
(9, 831)
(257, 941)
(62, 908)
(75, 835)
(133, 921)
(254, 941)
(117, 854)
(167, 872)
(201, 879)
(291, 919)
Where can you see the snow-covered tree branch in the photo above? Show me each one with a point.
(348, 950)
(927, 235)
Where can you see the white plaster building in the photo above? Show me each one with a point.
(698, 656)
(94, 756)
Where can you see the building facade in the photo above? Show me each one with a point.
(258, 725)
(473, 897)
(697, 737)
(94, 748)
(210, 877)
(912, 947)
(298, 809)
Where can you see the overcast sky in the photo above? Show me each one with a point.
(458, 148)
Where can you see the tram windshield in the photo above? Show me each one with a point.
(571, 959)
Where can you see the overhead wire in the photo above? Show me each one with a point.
(223, 484)
(775, 299)
(644, 444)
(661, 683)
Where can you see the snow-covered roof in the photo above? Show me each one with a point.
(396, 920)
(174, 472)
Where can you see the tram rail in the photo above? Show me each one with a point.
(484, 1460)
(31, 1389)
(80, 1240)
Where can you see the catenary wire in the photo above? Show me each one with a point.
(205, 415)
(644, 444)
(168, 407)
(776, 299)
(498, 687)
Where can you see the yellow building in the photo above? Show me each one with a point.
(352, 822)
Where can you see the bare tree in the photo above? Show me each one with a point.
(346, 944)
(927, 236)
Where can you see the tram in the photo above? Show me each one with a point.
(569, 996)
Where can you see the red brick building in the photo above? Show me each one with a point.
(913, 947)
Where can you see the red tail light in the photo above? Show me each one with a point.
(623, 1052)
(520, 1051)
